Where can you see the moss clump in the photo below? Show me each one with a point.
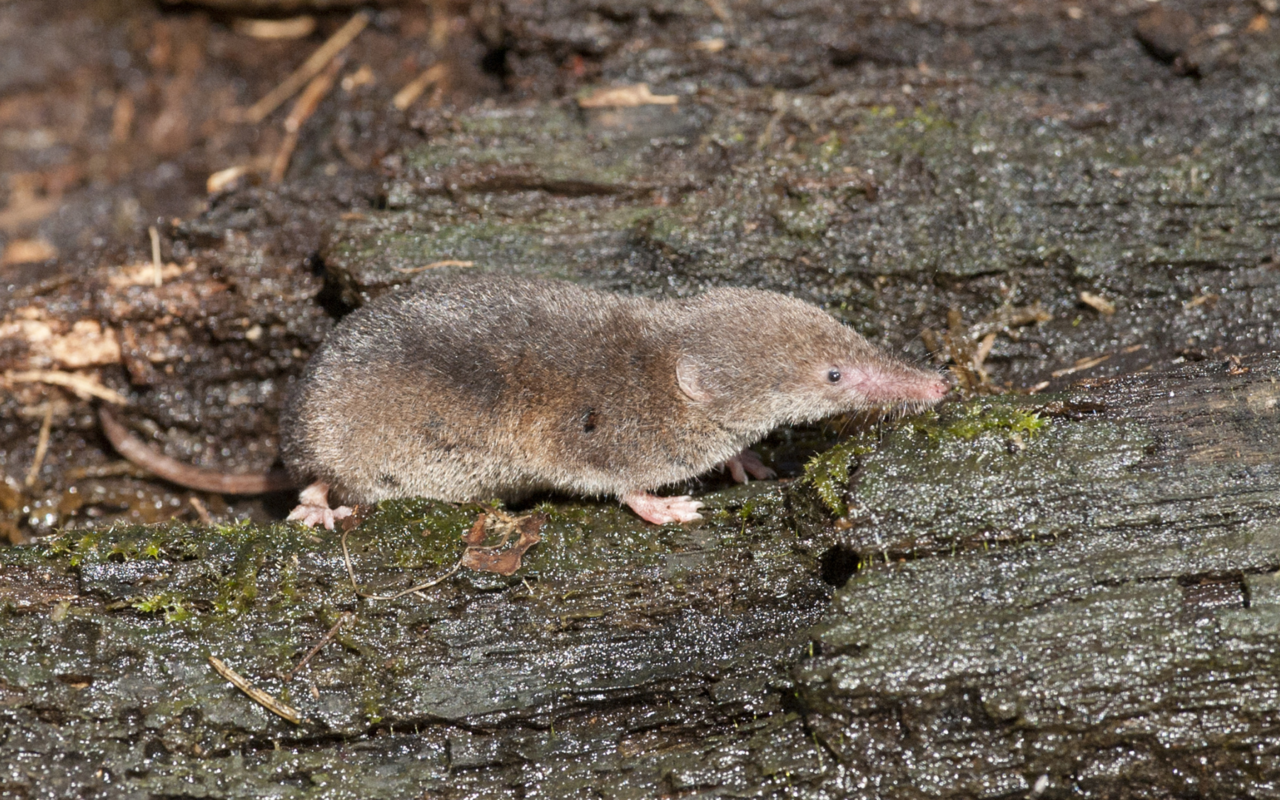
(976, 419)
(172, 607)
(417, 533)
(828, 473)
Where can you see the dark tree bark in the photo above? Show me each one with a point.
(1070, 593)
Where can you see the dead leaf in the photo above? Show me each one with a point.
(475, 537)
(1007, 318)
(144, 274)
(359, 513)
(533, 524)
(500, 562)
(49, 342)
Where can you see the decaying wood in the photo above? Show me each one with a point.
(1068, 594)
(1091, 598)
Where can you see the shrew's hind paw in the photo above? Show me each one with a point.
(748, 463)
(313, 507)
(311, 516)
(661, 510)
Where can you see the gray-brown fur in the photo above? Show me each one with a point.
(479, 387)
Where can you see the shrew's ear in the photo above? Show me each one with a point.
(689, 378)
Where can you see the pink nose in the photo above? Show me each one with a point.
(896, 385)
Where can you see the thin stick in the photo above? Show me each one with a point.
(346, 557)
(155, 253)
(42, 446)
(311, 96)
(291, 28)
(449, 262)
(766, 136)
(328, 637)
(414, 88)
(255, 694)
(280, 164)
(302, 110)
(201, 511)
(309, 69)
(1082, 364)
(722, 13)
(83, 386)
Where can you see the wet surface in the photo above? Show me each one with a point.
(1091, 573)
(646, 647)
(1004, 165)
(1068, 589)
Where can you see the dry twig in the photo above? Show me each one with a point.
(627, 97)
(476, 556)
(42, 446)
(309, 69)
(1082, 364)
(255, 694)
(779, 104)
(156, 266)
(291, 28)
(721, 11)
(83, 386)
(1098, 303)
(346, 557)
(201, 511)
(414, 88)
(345, 617)
(302, 110)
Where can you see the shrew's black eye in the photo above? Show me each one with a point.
(834, 376)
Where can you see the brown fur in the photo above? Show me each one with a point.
(480, 387)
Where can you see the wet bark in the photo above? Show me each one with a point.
(1069, 593)
(1080, 587)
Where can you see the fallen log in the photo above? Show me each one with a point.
(1079, 587)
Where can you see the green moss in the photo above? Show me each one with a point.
(71, 544)
(830, 148)
(417, 533)
(546, 142)
(828, 473)
(972, 420)
(922, 121)
(172, 607)
(119, 543)
(289, 579)
(238, 590)
(803, 219)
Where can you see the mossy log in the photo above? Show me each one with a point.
(1052, 596)
(1061, 596)
(1025, 176)
(1088, 610)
